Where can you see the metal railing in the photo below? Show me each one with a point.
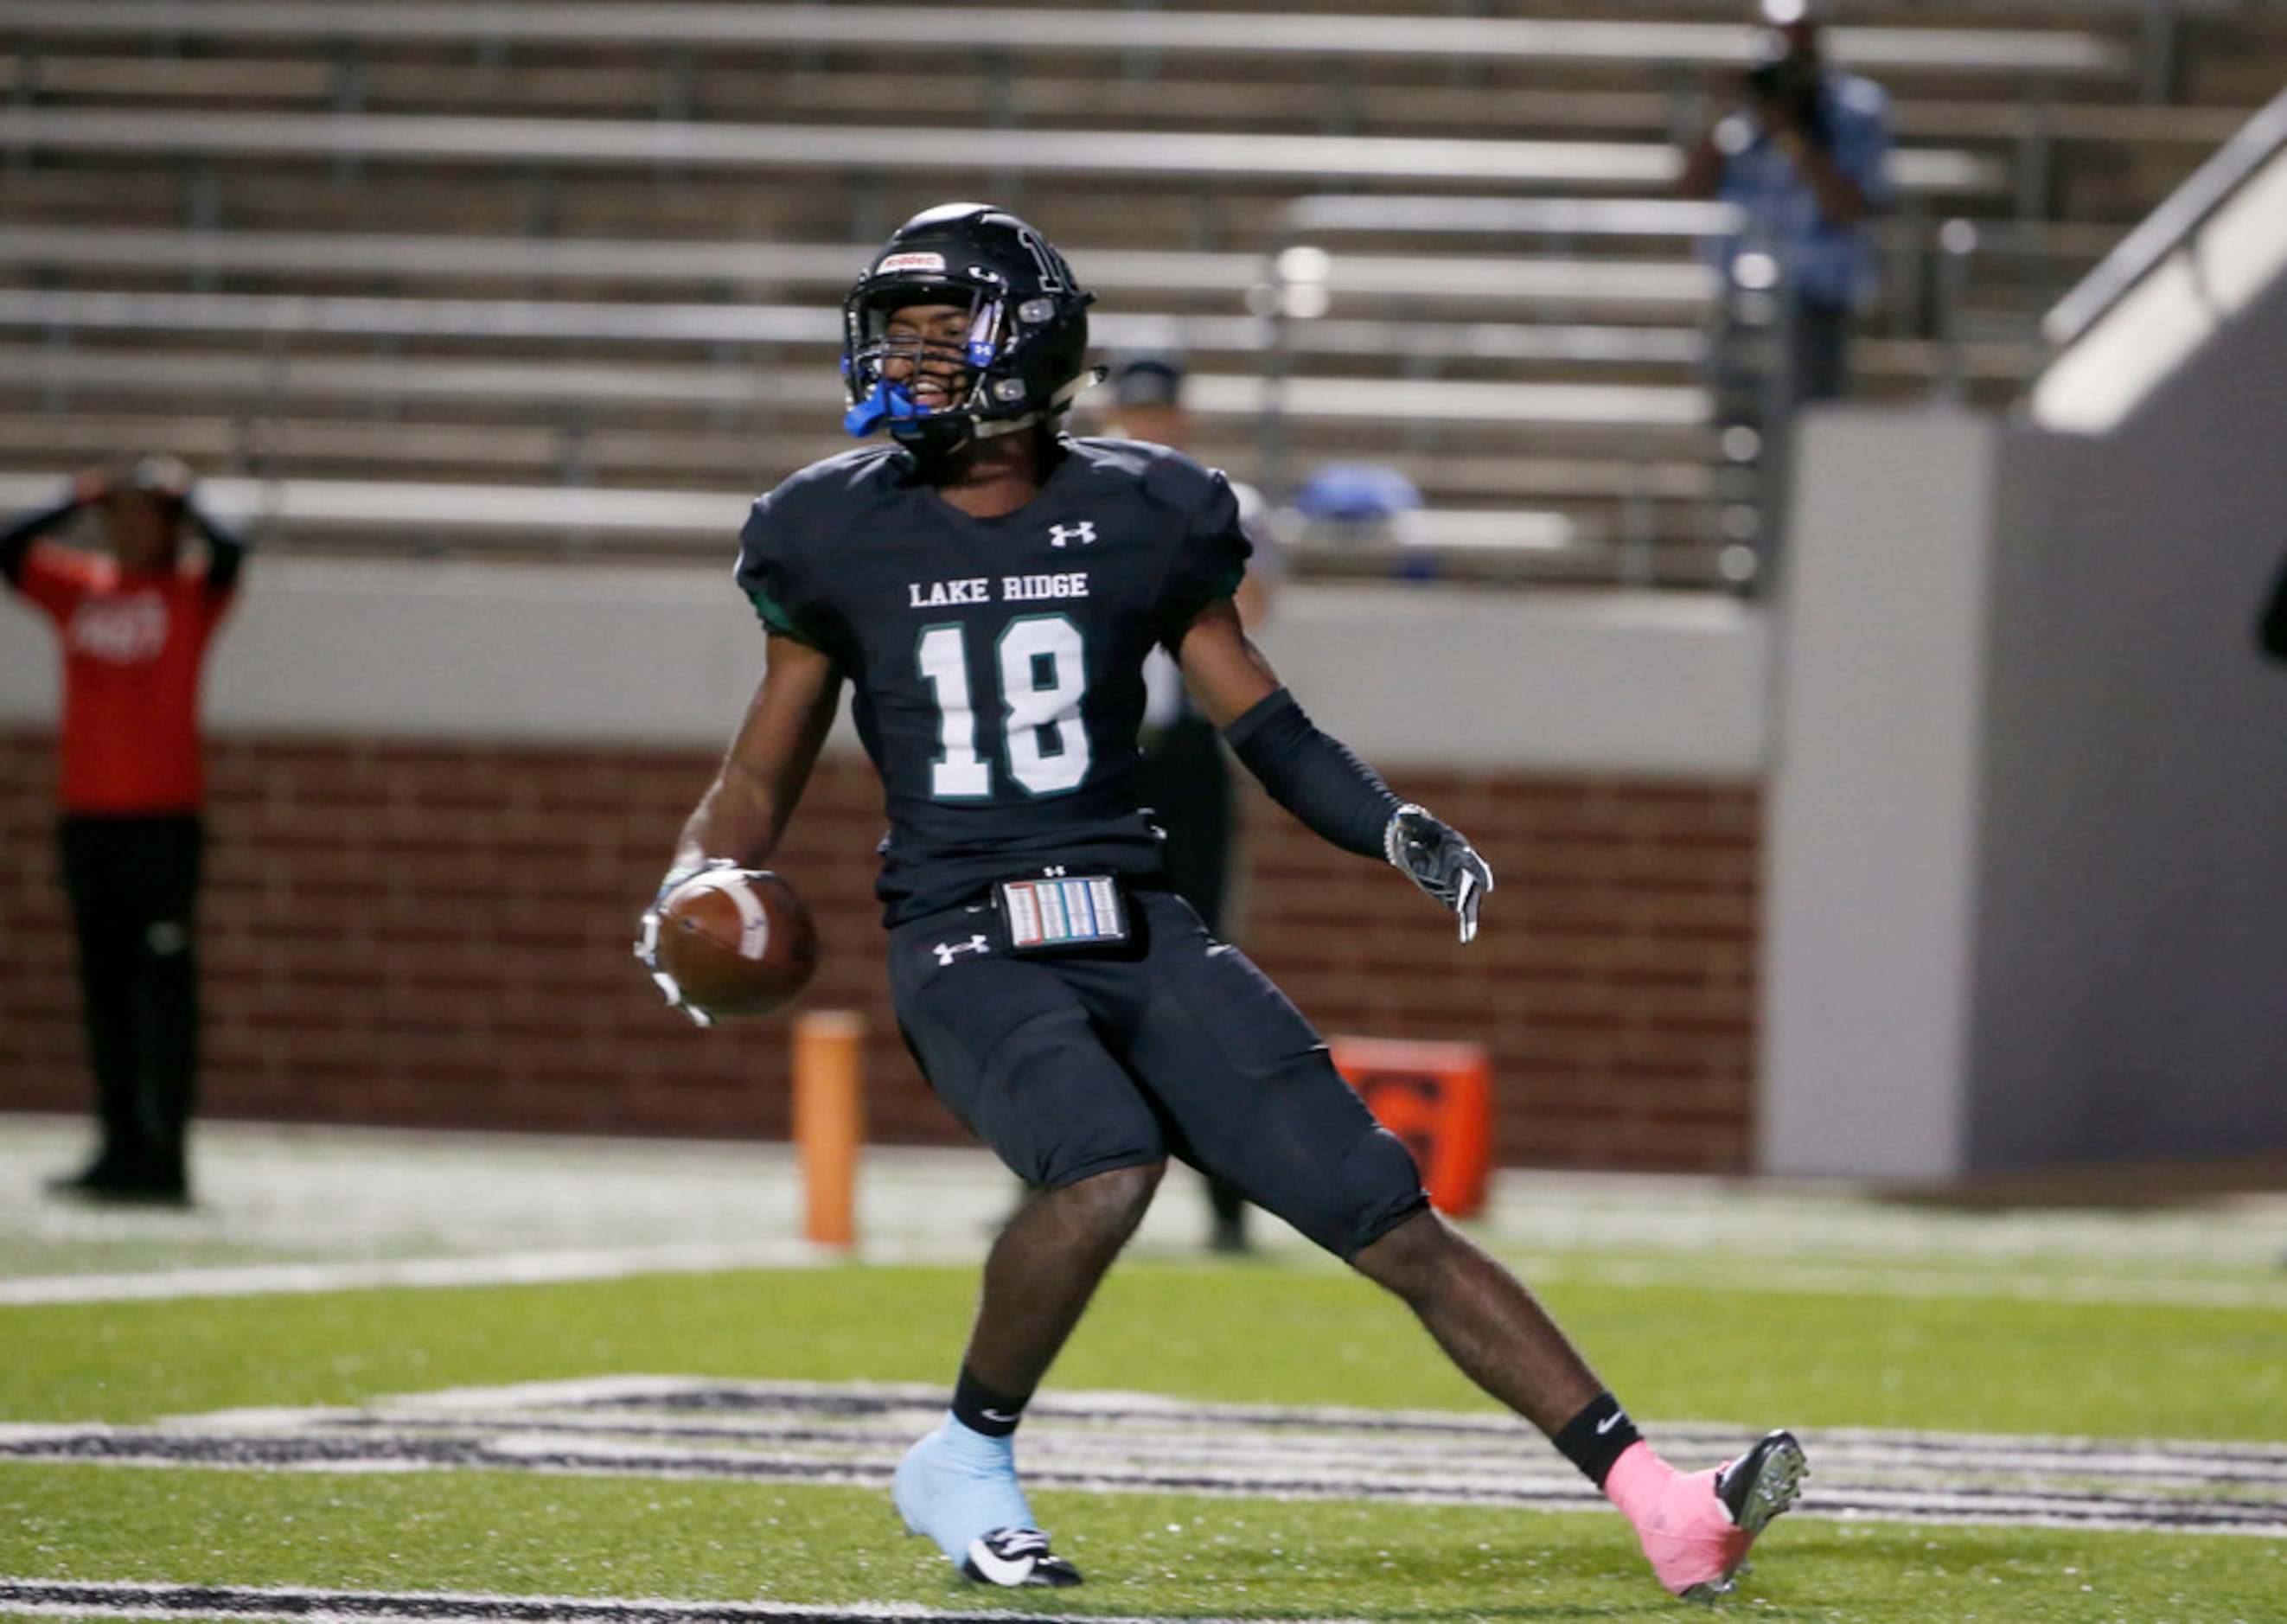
(2034, 289)
(1989, 282)
(1304, 275)
(1975, 295)
(1139, 33)
(2175, 221)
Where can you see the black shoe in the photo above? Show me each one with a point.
(1763, 1482)
(1752, 1491)
(1228, 1235)
(1018, 1557)
(149, 1181)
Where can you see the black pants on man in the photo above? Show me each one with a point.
(1182, 778)
(1763, 370)
(133, 884)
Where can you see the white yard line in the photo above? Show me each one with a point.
(508, 1269)
(295, 1209)
(1906, 1280)
(538, 1267)
(853, 1434)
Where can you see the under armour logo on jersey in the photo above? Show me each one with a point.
(1084, 532)
(946, 952)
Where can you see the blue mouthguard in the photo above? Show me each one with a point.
(888, 403)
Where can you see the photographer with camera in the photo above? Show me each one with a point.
(1804, 153)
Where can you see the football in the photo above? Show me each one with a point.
(737, 941)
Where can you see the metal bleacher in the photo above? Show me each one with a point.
(488, 252)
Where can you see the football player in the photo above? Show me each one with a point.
(990, 587)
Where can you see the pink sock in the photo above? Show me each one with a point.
(1687, 1534)
(1635, 1480)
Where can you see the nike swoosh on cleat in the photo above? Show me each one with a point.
(998, 1570)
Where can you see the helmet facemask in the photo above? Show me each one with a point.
(885, 370)
(1017, 357)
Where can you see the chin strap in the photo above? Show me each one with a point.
(995, 427)
(1088, 379)
(1059, 404)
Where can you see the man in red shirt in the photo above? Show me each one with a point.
(135, 623)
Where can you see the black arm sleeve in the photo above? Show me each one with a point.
(17, 539)
(226, 548)
(1315, 776)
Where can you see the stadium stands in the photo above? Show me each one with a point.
(535, 244)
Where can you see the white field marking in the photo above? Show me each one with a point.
(69, 1598)
(505, 1269)
(1907, 1281)
(274, 1194)
(616, 1263)
(1126, 1443)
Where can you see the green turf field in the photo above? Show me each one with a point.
(1919, 1352)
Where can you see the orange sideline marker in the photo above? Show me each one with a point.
(829, 1121)
(1438, 1097)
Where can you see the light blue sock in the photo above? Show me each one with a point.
(957, 1484)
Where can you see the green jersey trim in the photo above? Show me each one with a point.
(775, 618)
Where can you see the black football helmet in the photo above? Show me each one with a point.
(1026, 351)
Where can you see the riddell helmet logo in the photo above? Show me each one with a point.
(909, 262)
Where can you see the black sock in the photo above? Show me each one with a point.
(980, 1409)
(1598, 1436)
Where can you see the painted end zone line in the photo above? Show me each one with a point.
(504, 1269)
(616, 1263)
(650, 1426)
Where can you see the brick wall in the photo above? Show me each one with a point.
(438, 935)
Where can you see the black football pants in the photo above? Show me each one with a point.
(1183, 780)
(133, 884)
(1175, 1044)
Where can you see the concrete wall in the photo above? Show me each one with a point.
(2024, 895)
(2131, 950)
(669, 655)
(441, 792)
(2027, 874)
(1873, 796)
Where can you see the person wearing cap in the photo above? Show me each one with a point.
(1804, 153)
(135, 620)
(1184, 776)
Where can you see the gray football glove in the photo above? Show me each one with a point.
(647, 939)
(1436, 857)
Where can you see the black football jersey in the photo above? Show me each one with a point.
(997, 663)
